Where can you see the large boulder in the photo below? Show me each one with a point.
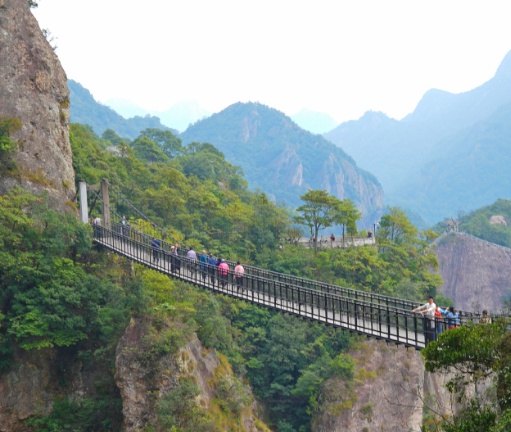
(33, 88)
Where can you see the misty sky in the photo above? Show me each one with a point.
(339, 57)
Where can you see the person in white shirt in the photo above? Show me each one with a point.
(429, 309)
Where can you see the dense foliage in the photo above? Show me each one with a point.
(474, 354)
(8, 126)
(60, 292)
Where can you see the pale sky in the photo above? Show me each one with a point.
(338, 57)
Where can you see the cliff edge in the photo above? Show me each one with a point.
(34, 89)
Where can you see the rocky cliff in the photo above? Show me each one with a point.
(142, 379)
(476, 274)
(34, 90)
(390, 391)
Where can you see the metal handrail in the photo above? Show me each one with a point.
(372, 319)
(303, 282)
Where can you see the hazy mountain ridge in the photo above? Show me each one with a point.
(470, 170)
(86, 110)
(403, 154)
(313, 121)
(282, 159)
(179, 116)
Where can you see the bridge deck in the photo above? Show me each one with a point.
(372, 319)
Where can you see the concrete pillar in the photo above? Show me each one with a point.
(106, 202)
(84, 209)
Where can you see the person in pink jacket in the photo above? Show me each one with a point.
(223, 271)
(239, 271)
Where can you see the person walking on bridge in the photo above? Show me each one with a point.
(203, 262)
(124, 226)
(429, 309)
(156, 247)
(485, 319)
(192, 256)
(239, 271)
(223, 271)
(212, 266)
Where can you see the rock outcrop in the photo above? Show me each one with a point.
(391, 391)
(498, 220)
(34, 89)
(143, 383)
(381, 396)
(476, 274)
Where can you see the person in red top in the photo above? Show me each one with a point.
(223, 271)
(239, 271)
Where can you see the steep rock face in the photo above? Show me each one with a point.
(30, 387)
(142, 384)
(381, 397)
(33, 88)
(476, 274)
(389, 392)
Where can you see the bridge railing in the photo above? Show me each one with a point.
(350, 293)
(372, 319)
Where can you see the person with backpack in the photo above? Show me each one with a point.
(203, 260)
(212, 266)
(239, 271)
(439, 320)
(223, 272)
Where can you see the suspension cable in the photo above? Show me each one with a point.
(98, 197)
(143, 215)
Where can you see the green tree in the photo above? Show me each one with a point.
(8, 126)
(165, 140)
(147, 150)
(347, 216)
(319, 211)
(472, 354)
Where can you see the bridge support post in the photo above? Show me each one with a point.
(84, 209)
(105, 206)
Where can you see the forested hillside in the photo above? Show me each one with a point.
(283, 160)
(89, 297)
(85, 110)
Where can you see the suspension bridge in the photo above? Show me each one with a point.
(373, 315)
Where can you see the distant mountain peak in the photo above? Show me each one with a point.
(504, 69)
(314, 121)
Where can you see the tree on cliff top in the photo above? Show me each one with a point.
(32, 3)
(319, 211)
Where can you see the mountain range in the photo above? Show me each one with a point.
(445, 155)
(179, 116)
(284, 160)
(86, 110)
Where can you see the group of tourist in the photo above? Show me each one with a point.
(442, 319)
(216, 268)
